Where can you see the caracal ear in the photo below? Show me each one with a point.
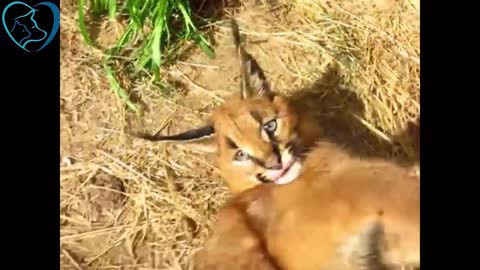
(202, 138)
(258, 84)
(253, 79)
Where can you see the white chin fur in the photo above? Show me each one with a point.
(291, 175)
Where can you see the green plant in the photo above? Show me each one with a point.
(166, 21)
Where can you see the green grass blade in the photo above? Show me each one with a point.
(99, 6)
(127, 36)
(158, 31)
(95, 6)
(145, 53)
(185, 11)
(204, 45)
(112, 8)
(133, 12)
(119, 91)
(148, 10)
(81, 21)
(123, 7)
(155, 48)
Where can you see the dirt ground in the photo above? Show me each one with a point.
(130, 204)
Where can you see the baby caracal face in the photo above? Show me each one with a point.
(258, 136)
(347, 214)
(259, 141)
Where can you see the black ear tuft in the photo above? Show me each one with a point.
(253, 79)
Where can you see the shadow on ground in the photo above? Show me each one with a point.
(335, 108)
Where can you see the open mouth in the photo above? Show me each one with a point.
(285, 175)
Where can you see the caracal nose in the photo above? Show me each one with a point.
(273, 163)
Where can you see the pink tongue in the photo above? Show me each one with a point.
(275, 174)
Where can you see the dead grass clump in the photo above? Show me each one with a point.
(129, 204)
(378, 52)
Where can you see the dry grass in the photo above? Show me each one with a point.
(129, 204)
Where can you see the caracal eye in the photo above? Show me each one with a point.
(270, 126)
(241, 155)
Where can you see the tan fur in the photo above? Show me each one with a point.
(341, 213)
(233, 246)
